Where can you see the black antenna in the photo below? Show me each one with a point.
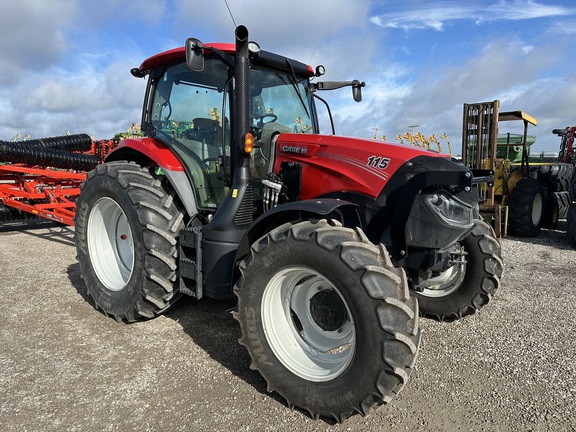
(231, 16)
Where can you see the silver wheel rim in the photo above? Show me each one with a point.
(312, 343)
(445, 283)
(537, 205)
(110, 244)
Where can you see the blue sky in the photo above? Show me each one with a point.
(65, 63)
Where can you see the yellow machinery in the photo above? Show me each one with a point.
(481, 150)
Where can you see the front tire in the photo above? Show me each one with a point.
(327, 320)
(466, 286)
(126, 226)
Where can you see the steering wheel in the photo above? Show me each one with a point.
(259, 118)
(189, 134)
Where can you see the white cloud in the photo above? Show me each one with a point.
(32, 35)
(434, 15)
(97, 13)
(507, 69)
(65, 63)
(100, 103)
(272, 21)
(563, 27)
(525, 9)
(301, 29)
(58, 76)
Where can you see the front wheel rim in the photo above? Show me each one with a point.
(445, 283)
(308, 324)
(110, 244)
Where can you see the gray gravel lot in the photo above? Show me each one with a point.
(66, 367)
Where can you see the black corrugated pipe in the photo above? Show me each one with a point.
(20, 152)
(77, 142)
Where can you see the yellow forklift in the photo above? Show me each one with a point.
(517, 200)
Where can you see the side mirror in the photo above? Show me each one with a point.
(194, 54)
(333, 85)
(357, 90)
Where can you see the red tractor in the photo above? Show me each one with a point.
(329, 244)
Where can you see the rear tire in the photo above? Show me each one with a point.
(526, 208)
(327, 320)
(465, 287)
(563, 200)
(551, 211)
(127, 225)
(571, 224)
(556, 176)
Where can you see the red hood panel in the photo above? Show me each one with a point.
(333, 164)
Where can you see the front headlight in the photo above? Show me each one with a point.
(450, 209)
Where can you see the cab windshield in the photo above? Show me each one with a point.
(190, 113)
(278, 104)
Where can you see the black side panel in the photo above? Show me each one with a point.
(291, 174)
(419, 175)
(218, 262)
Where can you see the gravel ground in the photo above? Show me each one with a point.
(66, 367)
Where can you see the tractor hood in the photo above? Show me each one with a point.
(332, 164)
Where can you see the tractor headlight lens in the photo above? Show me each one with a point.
(450, 209)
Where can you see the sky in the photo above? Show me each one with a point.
(66, 63)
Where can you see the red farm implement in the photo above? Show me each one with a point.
(567, 145)
(42, 177)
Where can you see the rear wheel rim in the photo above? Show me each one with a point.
(537, 205)
(110, 244)
(308, 324)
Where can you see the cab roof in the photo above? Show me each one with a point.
(262, 57)
(179, 54)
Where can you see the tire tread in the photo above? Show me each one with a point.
(396, 312)
(159, 220)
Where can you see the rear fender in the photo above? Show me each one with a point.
(151, 152)
(146, 150)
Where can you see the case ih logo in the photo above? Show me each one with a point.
(294, 149)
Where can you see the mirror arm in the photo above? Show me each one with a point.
(333, 85)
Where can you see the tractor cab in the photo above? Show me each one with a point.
(189, 111)
(189, 107)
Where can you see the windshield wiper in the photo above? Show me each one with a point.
(294, 82)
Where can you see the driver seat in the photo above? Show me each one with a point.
(205, 130)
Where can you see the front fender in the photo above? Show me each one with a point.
(344, 211)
